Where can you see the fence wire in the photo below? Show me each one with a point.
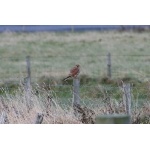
(52, 69)
(91, 65)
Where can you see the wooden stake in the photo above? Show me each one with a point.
(27, 91)
(127, 97)
(76, 97)
(28, 69)
(27, 82)
(109, 65)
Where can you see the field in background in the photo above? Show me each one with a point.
(53, 54)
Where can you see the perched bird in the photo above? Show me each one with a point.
(73, 72)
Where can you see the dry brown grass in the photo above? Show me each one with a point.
(18, 113)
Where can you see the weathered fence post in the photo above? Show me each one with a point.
(109, 65)
(27, 91)
(127, 98)
(76, 97)
(28, 69)
(27, 82)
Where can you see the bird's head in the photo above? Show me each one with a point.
(78, 66)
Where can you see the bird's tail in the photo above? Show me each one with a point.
(66, 78)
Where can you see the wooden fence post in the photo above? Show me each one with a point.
(127, 98)
(28, 69)
(109, 65)
(76, 97)
(27, 82)
(27, 91)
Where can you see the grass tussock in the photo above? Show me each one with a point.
(18, 111)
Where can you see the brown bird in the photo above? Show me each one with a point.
(73, 72)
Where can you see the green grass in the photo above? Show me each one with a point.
(53, 54)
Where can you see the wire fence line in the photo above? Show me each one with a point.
(27, 70)
(91, 55)
(12, 68)
(95, 92)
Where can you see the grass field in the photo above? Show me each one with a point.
(53, 54)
